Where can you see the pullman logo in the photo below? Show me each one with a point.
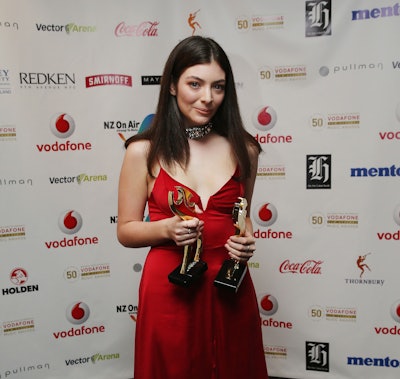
(318, 18)
(317, 356)
(319, 171)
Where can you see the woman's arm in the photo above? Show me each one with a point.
(133, 191)
(242, 247)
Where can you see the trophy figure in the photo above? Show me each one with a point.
(192, 267)
(232, 272)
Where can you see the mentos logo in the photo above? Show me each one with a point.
(62, 125)
(264, 118)
(268, 306)
(70, 222)
(77, 313)
(266, 214)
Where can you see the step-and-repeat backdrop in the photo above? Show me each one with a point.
(318, 83)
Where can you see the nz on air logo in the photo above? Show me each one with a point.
(319, 169)
(318, 18)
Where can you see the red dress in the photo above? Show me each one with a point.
(200, 331)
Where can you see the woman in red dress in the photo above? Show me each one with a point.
(198, 144)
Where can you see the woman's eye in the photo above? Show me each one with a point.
(194, 84)
(219, 87)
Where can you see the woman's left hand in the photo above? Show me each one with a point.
(241, 248)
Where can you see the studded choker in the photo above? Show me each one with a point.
(198, 132)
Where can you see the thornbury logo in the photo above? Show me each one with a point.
(319, 171)
(317, 356)
(318, 18)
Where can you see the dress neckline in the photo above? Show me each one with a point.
(195, 194)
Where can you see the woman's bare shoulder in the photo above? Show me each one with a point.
(138, 149)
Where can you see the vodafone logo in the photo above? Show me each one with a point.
(396, 215)
(267, 304)
(70, 222)
(265, 214)
(391, 330)
(62, 125)
(395, 311)
(77, 313)
(19, 276)
(264, 118)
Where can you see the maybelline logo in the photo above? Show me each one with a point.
(366, 14)
(317, 356)
(151, 80)
(375, 171)
(318, 18)
(319, 171)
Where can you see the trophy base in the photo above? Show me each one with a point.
(230, 275)
(191, 275)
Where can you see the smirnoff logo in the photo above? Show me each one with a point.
(310, 266)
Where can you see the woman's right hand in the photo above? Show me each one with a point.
(185, 232)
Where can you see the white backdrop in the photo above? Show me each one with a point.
(318, 86)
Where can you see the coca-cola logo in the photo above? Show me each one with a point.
(310, 266)
(144, 29)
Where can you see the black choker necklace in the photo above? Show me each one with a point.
(198, 132)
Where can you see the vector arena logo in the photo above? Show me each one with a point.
(62, 125)
(77, 313)
(70, 222)
(266, 214)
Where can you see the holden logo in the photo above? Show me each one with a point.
(78, 313)
(70, 222)
(18, 276)
(264, 118)
(62, 125)
(265, 214)
(268, 304)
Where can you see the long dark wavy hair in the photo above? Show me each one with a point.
(168, 141)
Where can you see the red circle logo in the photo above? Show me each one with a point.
(62, 125)
(18, 276)
(264, 118)
(268, 304)
(77, 313)
(70, 222)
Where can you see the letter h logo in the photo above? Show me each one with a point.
(319, 171)
(318, 18)
(317, 356)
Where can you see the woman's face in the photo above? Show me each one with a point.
(199, 93)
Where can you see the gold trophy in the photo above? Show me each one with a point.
(232, 272)
(192, 267)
